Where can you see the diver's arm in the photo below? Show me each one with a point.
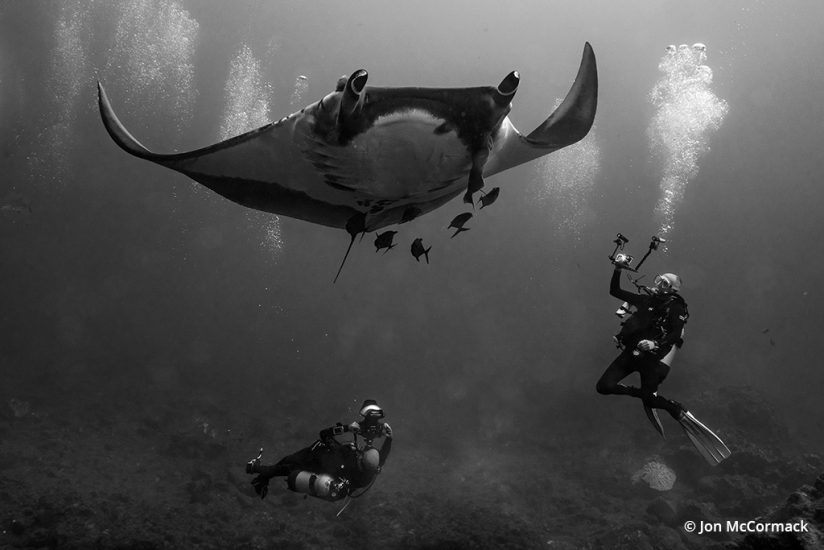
(618, 292)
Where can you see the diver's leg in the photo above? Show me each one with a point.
(653, 372)
(620, 368)
(303, 459)
(299, 460)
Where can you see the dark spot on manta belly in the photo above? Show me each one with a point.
(443, 129)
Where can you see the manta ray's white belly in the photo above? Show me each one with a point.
(402, 156)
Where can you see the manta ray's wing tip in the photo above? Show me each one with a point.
(118, 132)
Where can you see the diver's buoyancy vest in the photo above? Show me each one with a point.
(651, 317)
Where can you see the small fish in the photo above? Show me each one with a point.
(458, 223)
(490, 197)
(418, 250)
(384, 240)
(765, 331)
(772, 342)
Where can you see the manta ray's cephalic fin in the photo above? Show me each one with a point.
(351, 99)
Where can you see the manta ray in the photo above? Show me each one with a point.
(365, 157)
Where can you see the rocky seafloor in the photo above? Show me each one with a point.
(156, 470)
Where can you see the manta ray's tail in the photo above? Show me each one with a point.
(351, 242)
(354, 225)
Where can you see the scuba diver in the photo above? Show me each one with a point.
(329, 469)
(648, 339)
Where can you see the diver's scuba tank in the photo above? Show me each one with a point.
(318, 485)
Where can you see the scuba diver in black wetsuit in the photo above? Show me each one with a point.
(648, 340)
(329, 469)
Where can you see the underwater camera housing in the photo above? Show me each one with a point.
(623, 259)
(619, 257)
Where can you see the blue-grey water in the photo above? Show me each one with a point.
(138, 309)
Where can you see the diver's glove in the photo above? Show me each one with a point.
(253, 466)
(647, 345)
(387, 431)
(261, 485)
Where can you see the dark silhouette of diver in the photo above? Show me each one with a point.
(329, 469)
(648, 340)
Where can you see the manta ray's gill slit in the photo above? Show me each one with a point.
(688, 111)
(332, 181)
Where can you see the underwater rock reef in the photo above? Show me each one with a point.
(143, 469)
(805, 508)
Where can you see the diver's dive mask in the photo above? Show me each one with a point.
(371, 411)
(662, 284)
(667, 282)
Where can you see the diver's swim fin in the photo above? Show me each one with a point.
(652, 414)
(706, 442)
